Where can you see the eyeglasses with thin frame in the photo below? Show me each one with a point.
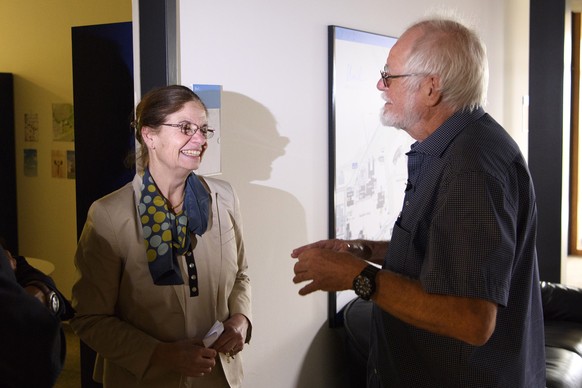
(190, 129)
(386, 76)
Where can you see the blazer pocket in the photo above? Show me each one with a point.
(227, 235)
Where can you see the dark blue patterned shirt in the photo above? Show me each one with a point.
(468, 229)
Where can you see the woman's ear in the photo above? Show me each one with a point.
(147, 136)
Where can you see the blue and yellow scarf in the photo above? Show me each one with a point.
(167, 235)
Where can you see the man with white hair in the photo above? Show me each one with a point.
(457, 301)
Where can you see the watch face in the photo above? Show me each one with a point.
(54, 302)
(363, 286)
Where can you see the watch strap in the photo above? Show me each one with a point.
(370, 271)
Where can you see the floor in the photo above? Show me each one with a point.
(70, 377)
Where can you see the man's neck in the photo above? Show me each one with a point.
(430, 122)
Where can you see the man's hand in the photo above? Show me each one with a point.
(373, 251)
(327, 269)
(334, 245)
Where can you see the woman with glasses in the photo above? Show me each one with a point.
(162, 294)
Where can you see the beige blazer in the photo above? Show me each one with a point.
(122, 315)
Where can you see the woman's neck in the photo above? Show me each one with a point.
(171, 187)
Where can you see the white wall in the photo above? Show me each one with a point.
(271, 58)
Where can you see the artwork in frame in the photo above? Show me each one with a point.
(367, 160)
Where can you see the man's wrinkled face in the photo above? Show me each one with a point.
(400, 109)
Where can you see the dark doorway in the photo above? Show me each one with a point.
(546, 112)
(8, 213)
(103, 104)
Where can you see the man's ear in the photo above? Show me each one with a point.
(432, 90)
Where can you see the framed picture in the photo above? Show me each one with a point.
(367, 168)
(211, 96)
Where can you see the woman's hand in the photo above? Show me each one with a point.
(188, 357)
(232, 339)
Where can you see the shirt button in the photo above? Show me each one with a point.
(193, 277)
(191, 265)
(194, 289)
(406, 203)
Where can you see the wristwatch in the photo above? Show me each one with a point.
(52, 299)
(365, 283)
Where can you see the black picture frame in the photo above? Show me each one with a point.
(367, 161)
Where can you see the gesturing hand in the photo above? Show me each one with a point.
(328, 270)
(334, 245)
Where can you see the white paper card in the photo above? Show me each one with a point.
(213, 334)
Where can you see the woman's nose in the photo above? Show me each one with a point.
(198, 137)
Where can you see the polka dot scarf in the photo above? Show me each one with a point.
(166, 234)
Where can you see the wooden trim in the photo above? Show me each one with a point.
(574, 248)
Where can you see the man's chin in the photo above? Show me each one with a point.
(388, 122)
(384, 120)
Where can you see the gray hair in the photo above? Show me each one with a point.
(457, 55)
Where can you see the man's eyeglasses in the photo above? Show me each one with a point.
(190, 129)
(386, 76)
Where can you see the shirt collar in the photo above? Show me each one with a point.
(440, 139)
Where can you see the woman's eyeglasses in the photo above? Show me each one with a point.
(190, 129)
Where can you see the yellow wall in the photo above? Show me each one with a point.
(35, 45)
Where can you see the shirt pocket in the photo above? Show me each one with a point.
(398, 250)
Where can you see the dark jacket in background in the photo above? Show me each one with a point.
(32, 344)
(26, 273)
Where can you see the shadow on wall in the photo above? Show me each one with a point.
(274, 220)
(274, 224)
(251, 142)
(325, 363)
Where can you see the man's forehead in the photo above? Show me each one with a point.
(392, 60)
(398, 52)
